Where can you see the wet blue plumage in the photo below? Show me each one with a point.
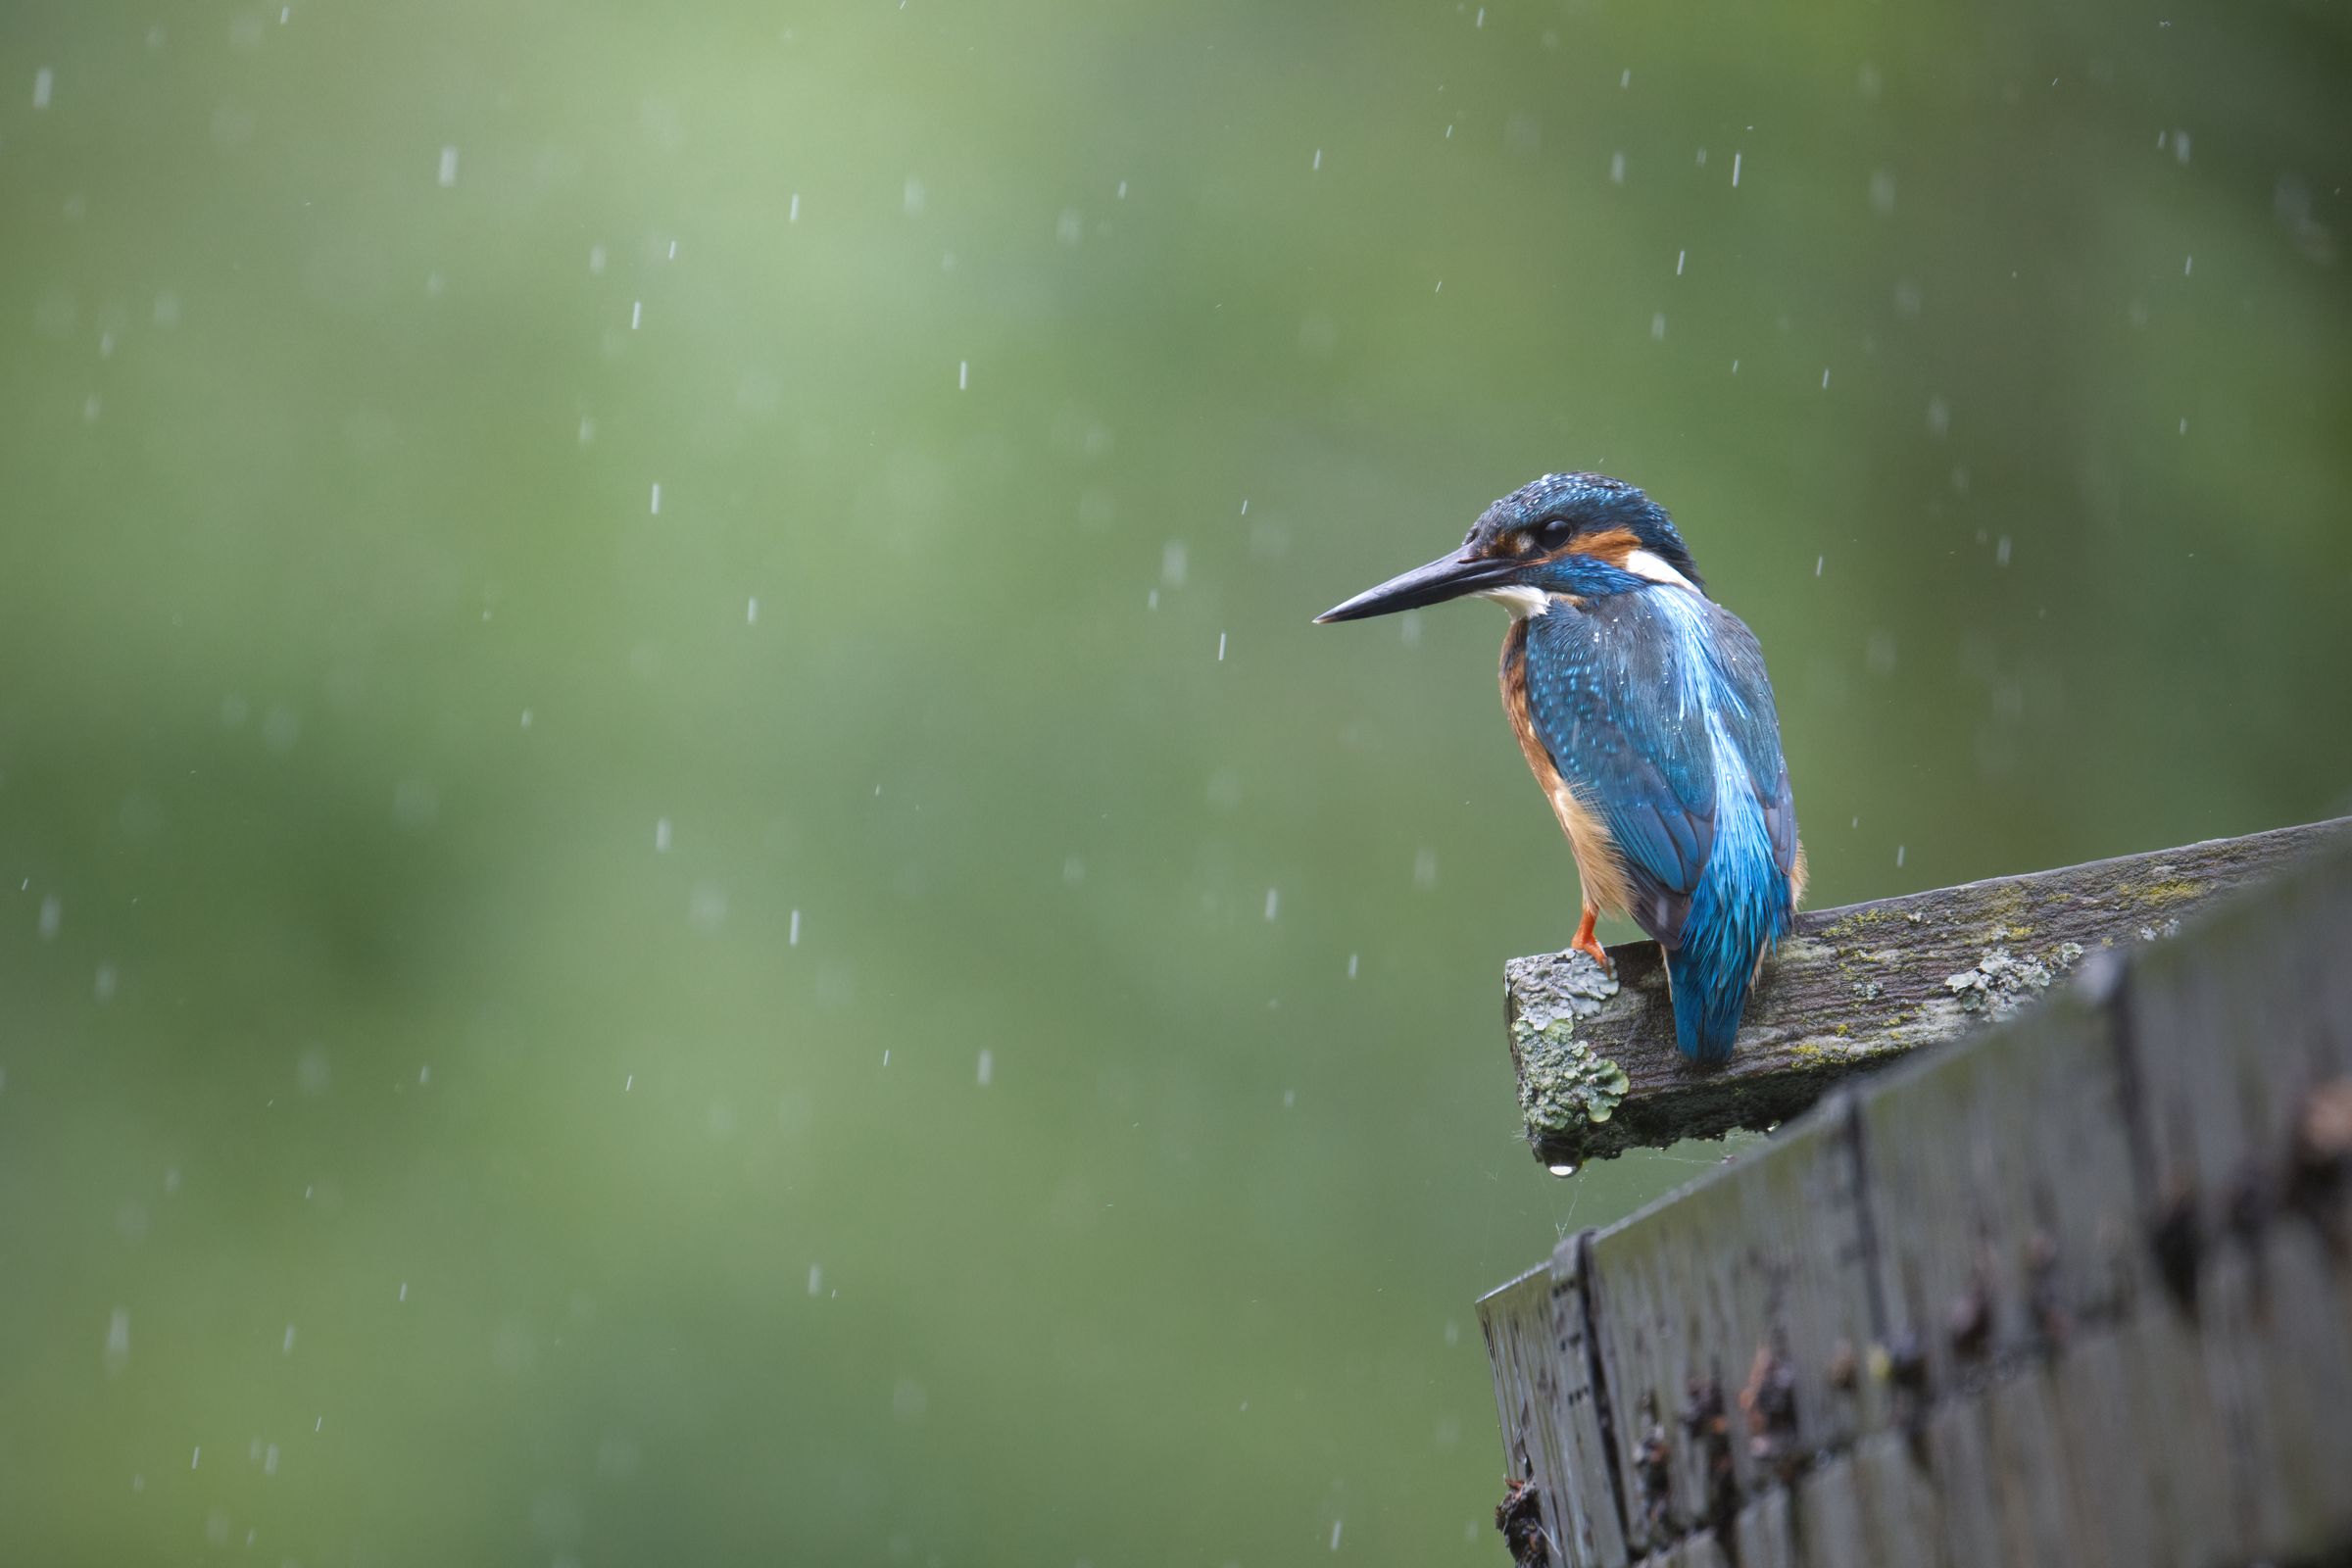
(1652, 703)
(1643, 707)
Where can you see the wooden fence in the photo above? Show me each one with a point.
(2075, 1290)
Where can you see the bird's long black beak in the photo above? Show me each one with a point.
(1449, 577)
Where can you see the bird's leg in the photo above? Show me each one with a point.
(1588, 944)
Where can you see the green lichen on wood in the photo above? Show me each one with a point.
(1563, 1082)
(2167, 890)
(1847, 927)
(1839, 1050)
(2000, 983)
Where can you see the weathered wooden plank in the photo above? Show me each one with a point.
(1854, 988)
(1724, 1318)
(1553, 1420)
(1831, 1506)
(2102, 1445)
(1588, 1426)
(2003, 1181)
(1956, 1457)
(2028, 1474)
(2241, 1050)
(2079, 1292)
(1517, 1320)
(1763, 1531)
(1896, 1504)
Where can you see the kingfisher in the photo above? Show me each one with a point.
(1642, 707)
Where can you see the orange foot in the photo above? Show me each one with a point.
(1588, 944)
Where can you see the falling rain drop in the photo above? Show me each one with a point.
(1273, 903)
(964, 375)
(1899, 851)
(987, 1067)
(449, 166)
(657, 507)
(791, 213)
(595, 258)
(1817, 564)
(42, 80)
(792, 938)
(1351, 961)
(1825, 378)
(1680, 256)
(660, 835)
(636, 313)
(751, 611)
(1735, 157)
(1657, 327)
(1616, 168)
(1220, 647)
(1318, 162)
(816, 1278)
(2000, 551)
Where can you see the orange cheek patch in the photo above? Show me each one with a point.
(1612, 545)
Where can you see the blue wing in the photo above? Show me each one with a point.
(1744, 703)
(1619, 693)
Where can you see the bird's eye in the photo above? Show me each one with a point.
(1555, 531)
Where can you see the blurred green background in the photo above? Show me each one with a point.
(686, 886)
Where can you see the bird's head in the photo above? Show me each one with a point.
(1580, 534)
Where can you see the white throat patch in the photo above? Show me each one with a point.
(1653, 565)
(1520, 600)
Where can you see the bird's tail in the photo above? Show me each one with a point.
(1739, 909)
